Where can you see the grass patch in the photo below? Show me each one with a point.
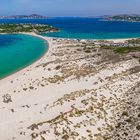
(58, 67)
(125, 113)
(107, 47)
(138, 127)
(31, 87)
(134, 41)
(122, 49)
(126, 49)
(24, 89)
(129, 120)
(87, 51)
(65, 137)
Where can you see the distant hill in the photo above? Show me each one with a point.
(33, 16)
(123, 17)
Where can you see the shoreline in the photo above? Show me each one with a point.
(113, 39)
(22, 70)
(67, 86)
(47, 41)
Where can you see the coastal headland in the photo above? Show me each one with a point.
(26, 28)
(79, 89)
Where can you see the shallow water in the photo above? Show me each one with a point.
(18, 51)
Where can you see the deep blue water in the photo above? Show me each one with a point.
(86, 28)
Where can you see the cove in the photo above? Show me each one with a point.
(18, 51)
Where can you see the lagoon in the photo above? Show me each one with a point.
(18, 51)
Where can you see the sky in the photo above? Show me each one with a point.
(69, 7)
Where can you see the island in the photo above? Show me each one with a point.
(33, 16)
(125, 17)
(19, 28)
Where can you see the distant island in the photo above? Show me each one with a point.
(129, 18)
(33, 16)
(18, 28)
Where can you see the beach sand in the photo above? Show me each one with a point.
(67, 94)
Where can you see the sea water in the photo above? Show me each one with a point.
(86, 28)
(18, 51)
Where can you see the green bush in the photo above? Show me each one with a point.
(126, 49)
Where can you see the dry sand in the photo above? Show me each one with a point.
(67, 94)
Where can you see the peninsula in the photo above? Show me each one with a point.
(19, 28)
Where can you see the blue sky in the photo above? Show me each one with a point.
(69, 7)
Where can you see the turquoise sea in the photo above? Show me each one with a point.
(86, 28)
(18, 51)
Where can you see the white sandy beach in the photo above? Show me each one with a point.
(66, 94)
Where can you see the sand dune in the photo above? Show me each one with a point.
(70, 93)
